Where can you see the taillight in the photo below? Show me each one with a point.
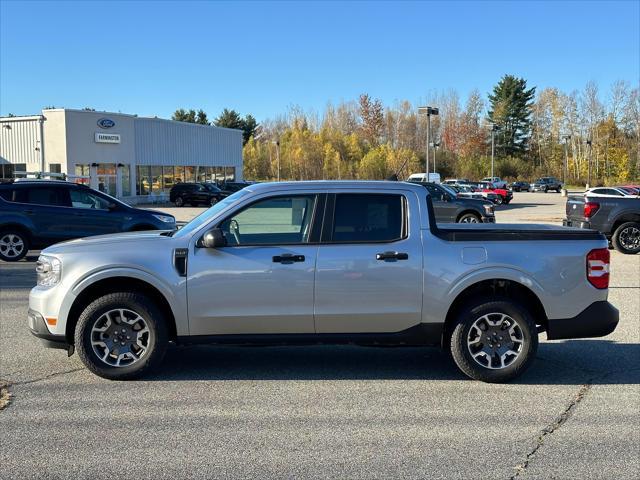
(598, 267)
(590, 208)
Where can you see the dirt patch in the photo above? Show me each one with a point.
(5, 394)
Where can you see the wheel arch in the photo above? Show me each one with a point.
(624, 218)
(497, 287)
(18, 226)
(467, 211)
(113, 284)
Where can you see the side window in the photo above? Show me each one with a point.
(276, 220)
(52, 196)
(435, 192)
(81, 198)
(368, 218)
(6, 194)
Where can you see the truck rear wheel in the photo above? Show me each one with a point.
(494, 341)
(626, 238)
(121, 336)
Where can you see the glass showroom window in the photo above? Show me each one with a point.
(168, 179)
(126, 180)
(55, 168)
(189, 174)
(156, 179)
(179, 174)
(82, 174)
(143, 185)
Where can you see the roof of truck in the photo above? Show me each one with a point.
(328, 184)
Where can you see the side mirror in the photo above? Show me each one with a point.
(214, 238)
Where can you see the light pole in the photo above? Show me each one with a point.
(494, 129)
(428, 111)
(435, 146)
(277, 144)
(588, 142)
(566, 139)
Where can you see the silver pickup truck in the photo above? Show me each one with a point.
(324, 262)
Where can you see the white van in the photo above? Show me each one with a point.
(422, 177)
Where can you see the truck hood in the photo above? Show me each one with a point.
(102, 241)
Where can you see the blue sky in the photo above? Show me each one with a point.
(151, 57)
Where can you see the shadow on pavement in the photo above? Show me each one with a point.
(563, 363)
(514, 206)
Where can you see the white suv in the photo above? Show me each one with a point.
(497, 182)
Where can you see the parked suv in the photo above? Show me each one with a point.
(196, 194)
(449, 208)
(39, 213)
(545, 184)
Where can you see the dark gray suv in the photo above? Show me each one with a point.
(449, 208)
(39, 213)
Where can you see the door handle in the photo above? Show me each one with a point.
(287, 258)
(392, 256)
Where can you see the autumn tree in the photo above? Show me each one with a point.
(372, 115)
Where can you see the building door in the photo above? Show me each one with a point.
(107, 178)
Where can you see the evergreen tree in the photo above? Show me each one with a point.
(232, 119)
(510, 110)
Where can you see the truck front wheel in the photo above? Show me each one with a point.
(121, 336)
(494, 341)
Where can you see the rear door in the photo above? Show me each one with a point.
(369, 267)
(445, 211)
(48, 207)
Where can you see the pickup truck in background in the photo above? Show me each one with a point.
(324, 262)
(451, 208)
(618, 218)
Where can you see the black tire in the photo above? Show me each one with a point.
(14, 245)
(626, 238)
(179, 202)
(460, 350)
(558, 190)
(213, 201)
(545, 189)
(469, 218)
(499, 200)
(156, 342)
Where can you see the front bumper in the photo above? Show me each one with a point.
(39, 329)
(487, 219)
(597, 320)
(575, 223)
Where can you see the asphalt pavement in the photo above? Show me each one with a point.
(326, 412)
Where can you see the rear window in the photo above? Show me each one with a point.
(368, 218)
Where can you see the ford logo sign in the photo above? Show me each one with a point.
(106, 123)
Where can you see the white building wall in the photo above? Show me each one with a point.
(20, 141)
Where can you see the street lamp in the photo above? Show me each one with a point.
(494, 129)
(588, 142)
(428, 111)
(277, 144)
(566, 139)
(435, 146)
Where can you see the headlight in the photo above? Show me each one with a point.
(49, 270)
(165, 218)
(488, 209)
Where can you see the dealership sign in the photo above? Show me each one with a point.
(107, 137)
(106, 123)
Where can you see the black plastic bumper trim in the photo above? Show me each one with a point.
(422, 334)
(597, 320)
(39, 329)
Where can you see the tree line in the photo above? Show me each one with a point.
(536, 133)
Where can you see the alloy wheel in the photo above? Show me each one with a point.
(11, 245)
(120, 337)
(469, 218)
(495, 341)
(629, 237)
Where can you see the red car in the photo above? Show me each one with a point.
(504, 195)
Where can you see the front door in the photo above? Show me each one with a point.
(369, 268)
(262, 281)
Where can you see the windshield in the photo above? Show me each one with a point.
(208, 214)
(211, 187)
(450, 190)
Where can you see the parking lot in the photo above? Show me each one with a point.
(326, 411)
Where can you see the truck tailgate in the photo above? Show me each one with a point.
(575, 208)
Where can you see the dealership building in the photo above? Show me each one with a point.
(130, 157)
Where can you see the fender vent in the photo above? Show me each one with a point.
(180, 261)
